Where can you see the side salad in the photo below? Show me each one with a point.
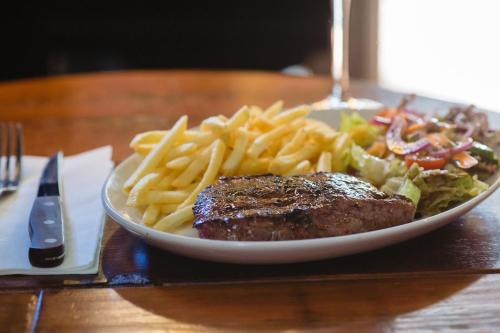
(435, 161)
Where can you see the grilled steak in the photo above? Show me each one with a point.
(268, 207)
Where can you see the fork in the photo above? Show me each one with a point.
(11, 152)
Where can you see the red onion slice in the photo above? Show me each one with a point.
(379, 120)
(413, 116)
(395, 141)
(441, 153)
(413, 112)
(460, 147)
(470, 131)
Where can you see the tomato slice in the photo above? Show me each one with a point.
(426, 162)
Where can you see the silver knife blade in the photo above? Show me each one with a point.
(49, 181)
(46, 225)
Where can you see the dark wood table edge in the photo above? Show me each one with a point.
(271, 280)
(40, 292)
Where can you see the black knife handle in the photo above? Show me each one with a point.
(46, 232)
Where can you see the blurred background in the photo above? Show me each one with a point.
(441, 48)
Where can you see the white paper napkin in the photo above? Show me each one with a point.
(83, 176)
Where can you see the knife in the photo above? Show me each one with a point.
(46, 225)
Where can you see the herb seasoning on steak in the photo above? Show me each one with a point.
(268, 207)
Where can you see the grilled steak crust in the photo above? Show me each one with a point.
(268, 207)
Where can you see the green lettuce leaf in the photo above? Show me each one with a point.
(374, 169)
(404, 185)
(361, 131)
(341, 153)
(443, 188)
(392, 185)
(410, 190)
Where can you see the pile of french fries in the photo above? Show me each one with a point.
(179, 163)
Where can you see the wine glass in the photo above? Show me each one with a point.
(340, 98)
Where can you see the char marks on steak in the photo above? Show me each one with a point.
(268, 207)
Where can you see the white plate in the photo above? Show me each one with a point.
(186, 242)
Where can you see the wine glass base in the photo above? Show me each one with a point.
(332, 103)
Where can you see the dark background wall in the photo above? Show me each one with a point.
(39, 40)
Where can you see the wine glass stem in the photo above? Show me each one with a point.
(340, 48)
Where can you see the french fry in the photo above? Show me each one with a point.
(179, 163)
(300, 169)
(251, 166)
(153, 137)
(193, 170)
(252, 135)
(255, 111)
(213, 124)
(260, 144)
(238, 119)
(176, 219)
(210, 174)
(168, 208)
(237, 154)
(202, 139)
(152, 160)
(151, 215)
(144, 148)
(262, 124)
(324, 162)
(290, 115)
(274, 109)
(319, 131)
(282, 164)
(166, 182)
(182, 150)
(163, 197)
(272, 149)
(295, 144)
(150, 137)
(141, 187)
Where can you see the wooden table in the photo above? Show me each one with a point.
(445, 281)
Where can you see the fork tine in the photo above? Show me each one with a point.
(19, 152)
(2, 158)
(8, 141)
